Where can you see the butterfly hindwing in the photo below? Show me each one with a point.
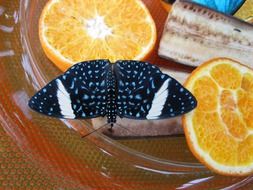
(224, 6)
(79, 93)
(144, 92)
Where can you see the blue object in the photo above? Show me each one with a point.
(131, 89)
(224, 6)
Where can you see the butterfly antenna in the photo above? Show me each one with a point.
(94, 130)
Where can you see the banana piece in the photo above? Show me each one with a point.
(194, 34)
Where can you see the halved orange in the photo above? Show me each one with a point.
(166, 5)
(76, 30)
(219, 131)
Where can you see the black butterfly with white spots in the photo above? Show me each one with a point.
(131, 89)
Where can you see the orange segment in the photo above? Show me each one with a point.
(227, 100)
(247, 82)
(212, 124)
(206, 90)
(219, 131)
(225, 152)
(231, 118)
(234, 123)
(245, 150)
(74, 31)
(226, 76)
(245, 104)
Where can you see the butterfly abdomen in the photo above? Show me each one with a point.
(111, 109)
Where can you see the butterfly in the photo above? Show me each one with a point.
(98, 88)
(224, 6)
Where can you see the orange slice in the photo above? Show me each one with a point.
(166, 5)
(219, 131)
(73, 31)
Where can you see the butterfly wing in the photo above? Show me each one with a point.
(224, 6)
(79, 93)
(144, 92)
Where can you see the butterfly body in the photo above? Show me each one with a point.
(111, 108)
(130, 89)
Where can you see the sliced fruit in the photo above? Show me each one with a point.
(74, 31)
(193, 34)
(219, 131)
(166, 4)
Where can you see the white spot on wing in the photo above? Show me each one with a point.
(64, 101)
(159, 101)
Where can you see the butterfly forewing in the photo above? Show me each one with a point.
(144, 92)
(79, 93)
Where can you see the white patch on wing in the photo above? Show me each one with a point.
(64, 101)
(159, 101)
